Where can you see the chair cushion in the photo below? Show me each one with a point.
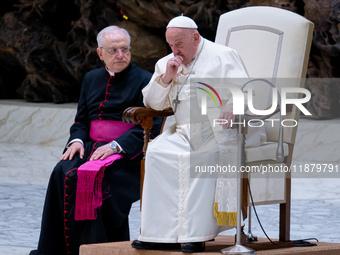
(266, 152)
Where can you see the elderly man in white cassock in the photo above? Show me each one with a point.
(178, 209)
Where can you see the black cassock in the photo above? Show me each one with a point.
(102, 97)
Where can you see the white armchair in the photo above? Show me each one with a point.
(274, 44)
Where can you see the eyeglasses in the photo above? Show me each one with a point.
(114, 51)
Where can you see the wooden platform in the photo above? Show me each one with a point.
(215, 247)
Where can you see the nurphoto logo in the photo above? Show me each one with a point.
(282, 97)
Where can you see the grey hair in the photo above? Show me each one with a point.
(110, 29)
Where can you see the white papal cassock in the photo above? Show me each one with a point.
(175, 207)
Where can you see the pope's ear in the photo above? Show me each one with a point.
(100, 53)
(197, 37)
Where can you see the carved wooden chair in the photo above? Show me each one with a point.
(274, 44)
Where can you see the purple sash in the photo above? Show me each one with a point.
(108, 130)
(89, 187)
(90, 174)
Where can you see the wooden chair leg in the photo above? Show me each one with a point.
(142, 173)
(285, 215)
(285, 208)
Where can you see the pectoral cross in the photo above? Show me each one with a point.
(176, 102)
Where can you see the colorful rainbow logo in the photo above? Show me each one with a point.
(209, 93)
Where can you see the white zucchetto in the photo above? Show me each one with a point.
(182, 22)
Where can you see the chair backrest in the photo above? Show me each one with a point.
(274, 44)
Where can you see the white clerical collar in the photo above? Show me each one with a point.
(111, 73)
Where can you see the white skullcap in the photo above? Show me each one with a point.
(182, 22)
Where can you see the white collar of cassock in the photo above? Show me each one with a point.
(111, 73)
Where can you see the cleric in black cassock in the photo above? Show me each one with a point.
(106, 92)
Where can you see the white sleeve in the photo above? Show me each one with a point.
(156, 95)
(74, 140)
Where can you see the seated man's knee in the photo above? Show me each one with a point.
(64, 167)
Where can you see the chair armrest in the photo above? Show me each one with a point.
(144, 116)
(136, 115)
(280, 151)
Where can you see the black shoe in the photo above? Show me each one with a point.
(193, 247)
(155, 246)
(34, 252)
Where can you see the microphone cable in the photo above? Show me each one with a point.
(297, 243)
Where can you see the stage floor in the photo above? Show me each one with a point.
(215, 247)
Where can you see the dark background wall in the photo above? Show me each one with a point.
(46, 46)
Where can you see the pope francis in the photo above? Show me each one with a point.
(178, 209)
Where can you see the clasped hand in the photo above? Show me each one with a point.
(171, 69)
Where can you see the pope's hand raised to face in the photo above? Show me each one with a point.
(171, 69)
